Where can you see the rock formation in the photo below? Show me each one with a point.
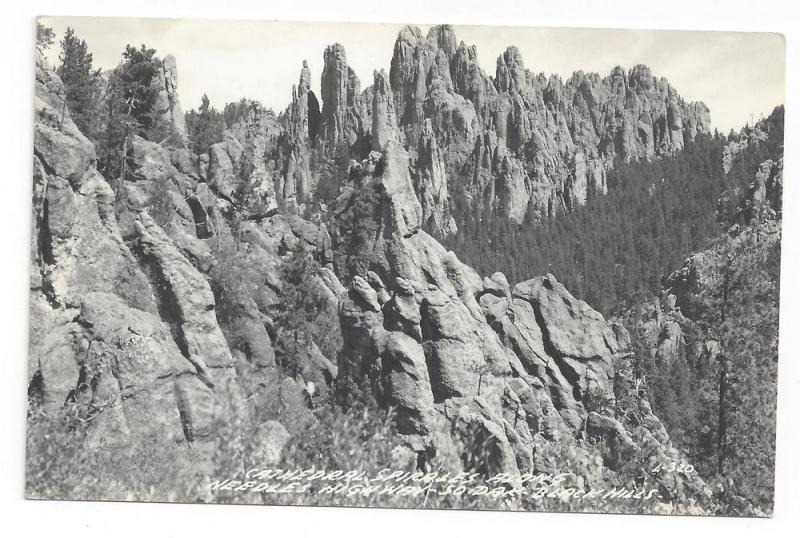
(167, 106)
(523, 143)
(100, 330)
(524, 367)
(130, 317)
(122, 314)
(520, 144)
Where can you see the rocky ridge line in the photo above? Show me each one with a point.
(519, 144)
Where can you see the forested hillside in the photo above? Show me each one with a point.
(615, 250)
(685, 253)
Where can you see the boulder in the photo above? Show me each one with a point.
(576, 336)
(224, 167)
(272, 438)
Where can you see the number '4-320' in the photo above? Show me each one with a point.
(673, 467)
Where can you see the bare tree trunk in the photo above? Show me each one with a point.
(122, 164)
(722, 418)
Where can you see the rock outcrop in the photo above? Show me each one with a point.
(123, 320)
(167, 101)
(741, 205)
(520, 369)
(523, 143)
(518, 144)
(341, 98)
(97, 329)
(140, 314)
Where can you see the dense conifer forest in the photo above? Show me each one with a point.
(614, 251)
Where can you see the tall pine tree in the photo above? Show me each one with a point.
(205, 126)
(131, 108)
(81, 83)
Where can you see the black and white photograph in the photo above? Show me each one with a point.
(409, 266)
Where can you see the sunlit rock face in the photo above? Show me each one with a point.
(524, 368)
(518, 144)
(128, 310)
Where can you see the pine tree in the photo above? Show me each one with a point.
(139, 68)
(740, 306)
(44, 37)
(618, 246)
(205, 126)
(130, 109)
(81, 83)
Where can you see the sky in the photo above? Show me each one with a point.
(739, 75)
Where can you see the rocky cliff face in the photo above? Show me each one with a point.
(123, 317)
(522, 143)
(527, 368)
(519, 144)
(744, 204)
(126, 307)
(103, 331)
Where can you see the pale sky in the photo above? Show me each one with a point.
(739, 75)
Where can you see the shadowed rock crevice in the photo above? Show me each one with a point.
(202, 226)
(314, 117)
(564, 369)
(45, 237)
(168, 309)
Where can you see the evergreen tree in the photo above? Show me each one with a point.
(739, 307)
(131, 109)
(355, 229)
(233, 112)
(44, 37)
(613, 251)
(205, 126)
(81, 83)
(135, 78)
(305, 330)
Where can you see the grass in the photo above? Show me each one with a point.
(61, 464)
